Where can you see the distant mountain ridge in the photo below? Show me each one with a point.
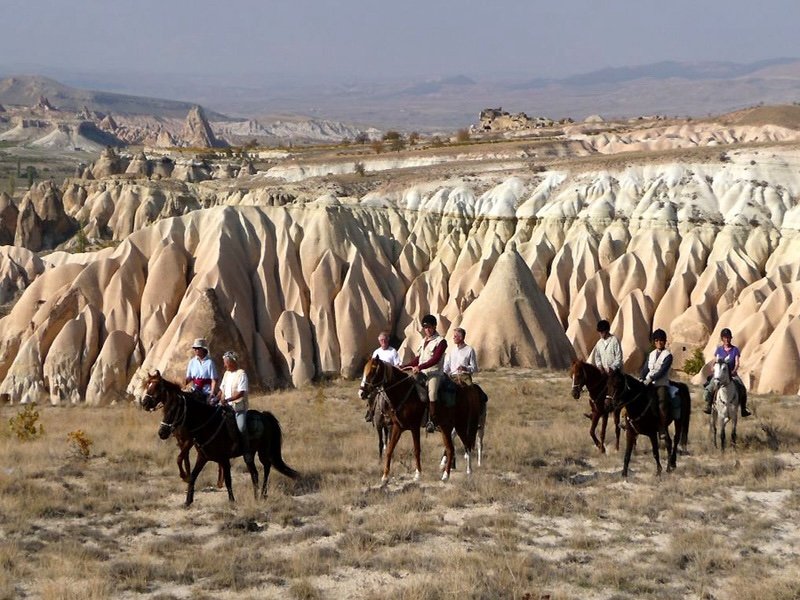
(25, 90)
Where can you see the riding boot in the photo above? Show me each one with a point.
(663, 419)
(370, 414)
(244, 440)
(743, 401)
(430, 427)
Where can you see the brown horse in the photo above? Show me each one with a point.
(642, 416)
(215, 438)
(406, 410)
(594, 380)
(380, 419)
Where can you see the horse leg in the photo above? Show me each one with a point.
(669, 445)
(673, 456)
(380, 440)
(617, 429)
(390, 450)
(198, 466)
(630, 441)
(226, 473)
(734, 420)
(654, 443)
(449, 451)
(592, 427)
(723, 421)
(603, 426)
(184, 466)
(263, 456)
(220, 477)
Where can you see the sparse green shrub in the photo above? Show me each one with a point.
(377, 146)
(694, 364)
(359, 169)
(80, 444)
(24, 424)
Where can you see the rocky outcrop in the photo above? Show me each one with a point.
(197, 131)
(42, 222)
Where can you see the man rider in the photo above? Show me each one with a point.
(427, 365)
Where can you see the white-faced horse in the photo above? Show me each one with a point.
(725, 408)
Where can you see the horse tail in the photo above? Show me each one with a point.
(274, 439)
(686, 408)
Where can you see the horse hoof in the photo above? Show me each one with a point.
(384, 481)
(443, 462)
(417, 475)
(445, 476)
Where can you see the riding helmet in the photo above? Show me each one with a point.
(429, 320)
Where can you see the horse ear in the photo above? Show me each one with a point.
(158, 373)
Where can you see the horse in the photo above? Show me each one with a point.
(725, 408)
(478, 438)
(213, 435)
(185, 443)
(642, 416)
(407, 410)
(594, 380)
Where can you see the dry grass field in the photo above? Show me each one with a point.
(546, 516)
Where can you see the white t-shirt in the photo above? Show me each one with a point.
(232, 382)
(389, 355)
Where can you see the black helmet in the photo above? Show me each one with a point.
(725, 333)
(659, 335)
(429, 320)
(603, 326)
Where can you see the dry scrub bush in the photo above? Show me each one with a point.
(25, 424)
(80, 444)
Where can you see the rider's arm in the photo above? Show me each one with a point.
(472, 366)
(664, 370)
(616, 351)
(412, 363)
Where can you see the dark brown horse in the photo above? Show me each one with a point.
(406, 410)
(215, 438)
(586, 375)
(380, 419)
(642, 417)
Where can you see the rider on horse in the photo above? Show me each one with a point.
(233, 392)
(388, 355)
(730, 354)
(607, 352)
(460, 362)
(655, 372)
(427, 366)
(201, 372)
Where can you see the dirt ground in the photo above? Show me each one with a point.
(544, 516)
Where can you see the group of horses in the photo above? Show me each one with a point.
(400, 408)
(617, 394)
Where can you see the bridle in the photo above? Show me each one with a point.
(180, 418)
(611, 398)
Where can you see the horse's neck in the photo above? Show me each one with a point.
(595, 380)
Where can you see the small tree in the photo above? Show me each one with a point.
(359, 169)
(361, 138)
(397, 144)
(694, 364)
(462, 135)
(413, 138)
(391, 135)
(377, 145)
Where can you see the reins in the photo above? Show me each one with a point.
(184, 414)
(386, 384)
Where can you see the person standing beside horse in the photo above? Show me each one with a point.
(460, 362)
(655, 372)
(427, 366)
(388, 355)
(730, 354)
(233, 392)
(202, 373)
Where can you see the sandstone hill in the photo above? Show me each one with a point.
(300, 271)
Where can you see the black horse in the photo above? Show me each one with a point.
(641, 405)
(214, 436)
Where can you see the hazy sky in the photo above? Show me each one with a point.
(363, 39)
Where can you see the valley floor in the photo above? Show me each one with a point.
(545, 516)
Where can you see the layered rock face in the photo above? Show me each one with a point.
(527, 267)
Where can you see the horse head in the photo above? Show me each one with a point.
(722, 372)
(578, 378)
(615, 389)
(153, 391)
(374, 377)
